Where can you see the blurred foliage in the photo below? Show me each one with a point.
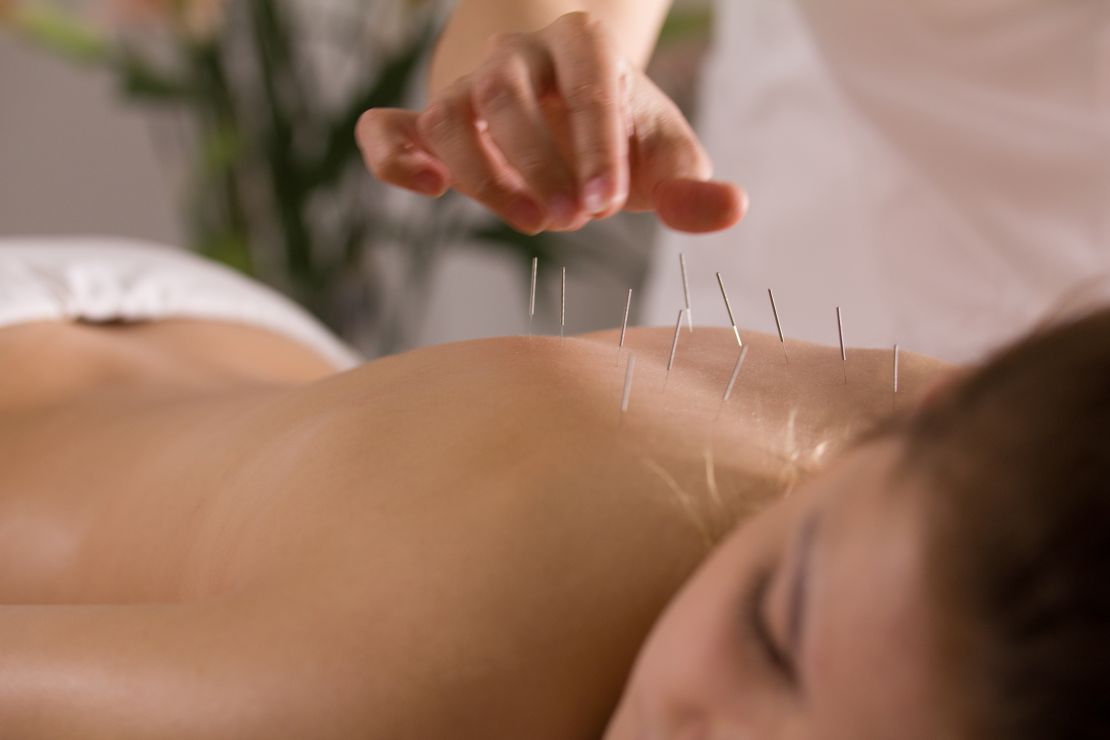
(275, 186)
(59, 32)
(687, 23)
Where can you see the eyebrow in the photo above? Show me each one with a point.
(799, 584)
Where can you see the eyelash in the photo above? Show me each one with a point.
(755, 623)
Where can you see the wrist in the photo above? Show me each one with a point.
(633, 24)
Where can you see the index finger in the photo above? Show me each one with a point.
(588, 73)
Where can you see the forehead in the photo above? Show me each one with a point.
(868, 652)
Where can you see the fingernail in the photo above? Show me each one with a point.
(427, 182)
(596, 194)
(563, 209)
(526, 214)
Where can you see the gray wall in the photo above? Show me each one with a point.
(73, 159)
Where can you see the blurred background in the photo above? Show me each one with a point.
(226, 127)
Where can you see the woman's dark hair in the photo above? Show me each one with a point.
(1016, 457)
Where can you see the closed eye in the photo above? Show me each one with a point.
(755, 615)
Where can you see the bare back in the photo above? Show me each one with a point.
(469, 540)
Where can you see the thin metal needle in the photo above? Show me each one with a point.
(843, 352)
(674, 342)
(728, 307)
(627, 394)
(735, 374)
(686, 290)
(532, 297)
(563, 306)
(894, 402)
(778, 324)
(624, 326)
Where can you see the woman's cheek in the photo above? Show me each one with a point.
(691, 663)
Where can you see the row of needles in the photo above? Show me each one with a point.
(687, 313)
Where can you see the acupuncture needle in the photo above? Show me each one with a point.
(627, 394)
(686, 290)
(894, 401)
(735, 374)
(624, 326)
(563, 306)
(532, 296)
(674, 342)
(778, 324)
(728, 307)
(843, 352)
(731, 381)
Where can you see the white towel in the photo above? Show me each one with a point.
(93, 279)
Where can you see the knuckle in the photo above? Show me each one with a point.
(535, 166)
(594, 30)
(582, 25)
(597, 158)
(589, 95)
(435, 118)
(576, 21)
(504, 40)
(438, 120)
(499, 88)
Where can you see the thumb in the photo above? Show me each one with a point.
(699, 206)
(670, 169)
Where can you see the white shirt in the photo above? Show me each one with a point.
(938, 168)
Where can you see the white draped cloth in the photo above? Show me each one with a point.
(110, 279)
(940, 169)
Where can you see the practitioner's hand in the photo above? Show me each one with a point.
(552, 130)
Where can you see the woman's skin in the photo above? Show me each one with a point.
(205, 533)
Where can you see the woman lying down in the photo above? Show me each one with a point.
(206, 531)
